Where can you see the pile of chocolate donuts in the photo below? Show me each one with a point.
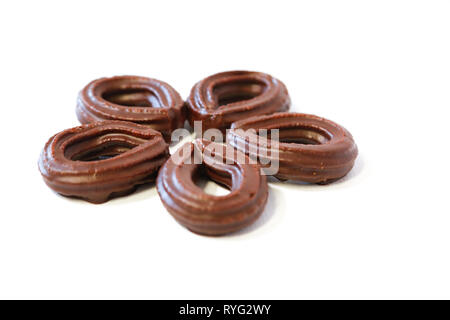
(127, 122)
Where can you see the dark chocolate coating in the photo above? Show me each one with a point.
(209, 214)
(141, 100)
(311, 148)
(223, 98)
(102, 160)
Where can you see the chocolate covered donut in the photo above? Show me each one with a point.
(311, 148)
(137, 99)
(102, 160)
(226, 97)
(204, 213)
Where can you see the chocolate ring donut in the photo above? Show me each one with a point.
(137, 99)
(209, 214)
(311, 149)
(102, 160)
(223, 98)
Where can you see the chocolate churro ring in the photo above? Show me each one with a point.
(223, 98)
(311, 149)
(102, 160)
(137, 99)
(209, 214)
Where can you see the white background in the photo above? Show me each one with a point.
(379, 68)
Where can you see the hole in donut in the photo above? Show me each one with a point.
(299, 140)
(303, 135)
(103, 151)
(237, 91)
(209, 186)
(132, 98)
(101, 147)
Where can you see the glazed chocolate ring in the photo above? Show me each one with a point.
(209, 214)
(223, 98)
(311, 149)
(137, 99)
(102, 160)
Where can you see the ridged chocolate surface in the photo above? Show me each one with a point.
(311, 148)
(223, 98)
(209, 214)
(102, 160)
(130, 98)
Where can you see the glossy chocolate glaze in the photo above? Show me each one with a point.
(102, 160)
(209, 214)
(141, 100)
(311, 148)
(223, 98)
